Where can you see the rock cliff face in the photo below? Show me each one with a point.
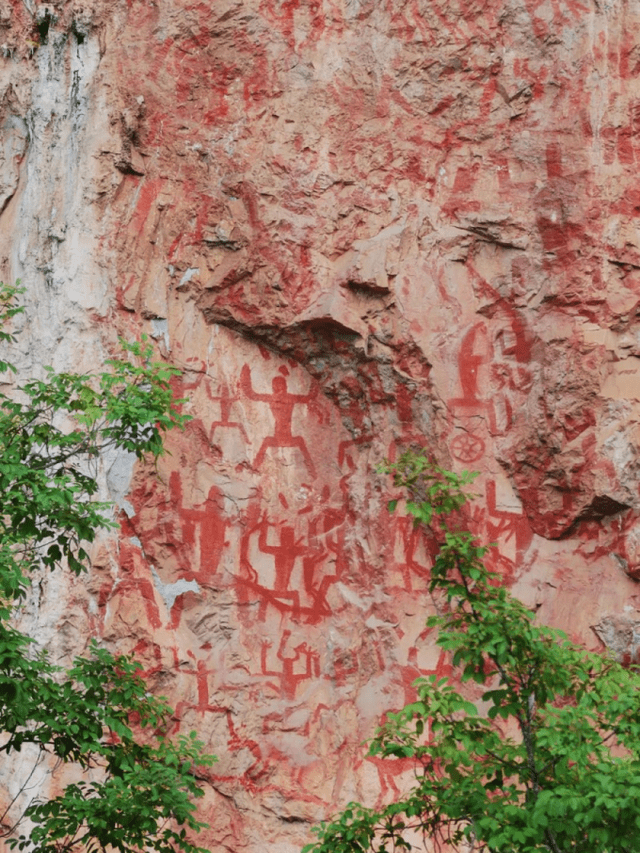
(354, 225)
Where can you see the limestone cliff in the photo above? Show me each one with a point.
(354, 225)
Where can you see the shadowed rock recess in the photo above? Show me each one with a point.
(355, 225)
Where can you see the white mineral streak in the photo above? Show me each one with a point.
(170, 591)
(55, 252)
(46, 172)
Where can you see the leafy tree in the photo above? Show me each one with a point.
(135, 787)
(550, 763)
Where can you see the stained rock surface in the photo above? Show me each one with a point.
(355, 225)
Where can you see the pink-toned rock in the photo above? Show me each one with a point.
(355, 226)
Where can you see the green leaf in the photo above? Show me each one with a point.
(554, 777)
(84, 715)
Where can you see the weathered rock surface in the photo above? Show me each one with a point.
(355, 225)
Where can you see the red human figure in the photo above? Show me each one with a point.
(203, 529)
(327, 533)
(286, 552)
(281, 403)
(287, 582)
(466, 446)
(288, 677)
(469, 361)
(411, 538)
(199, 532)
(226, 400)
(133, 581)
(203, 704)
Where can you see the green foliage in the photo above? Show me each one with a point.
(136, 787)
(551, 763)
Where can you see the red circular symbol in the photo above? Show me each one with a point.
(467, 447)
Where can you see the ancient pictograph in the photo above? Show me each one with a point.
(281, 402)
(286, 567)
(470, 409)
(293, 664)
(118, 598)
(226, 400)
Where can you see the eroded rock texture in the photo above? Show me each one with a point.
(354, 225)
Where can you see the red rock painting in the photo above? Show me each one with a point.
(354, 226)
(281, 403)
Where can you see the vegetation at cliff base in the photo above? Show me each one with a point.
(134, 788)
(550, 761)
